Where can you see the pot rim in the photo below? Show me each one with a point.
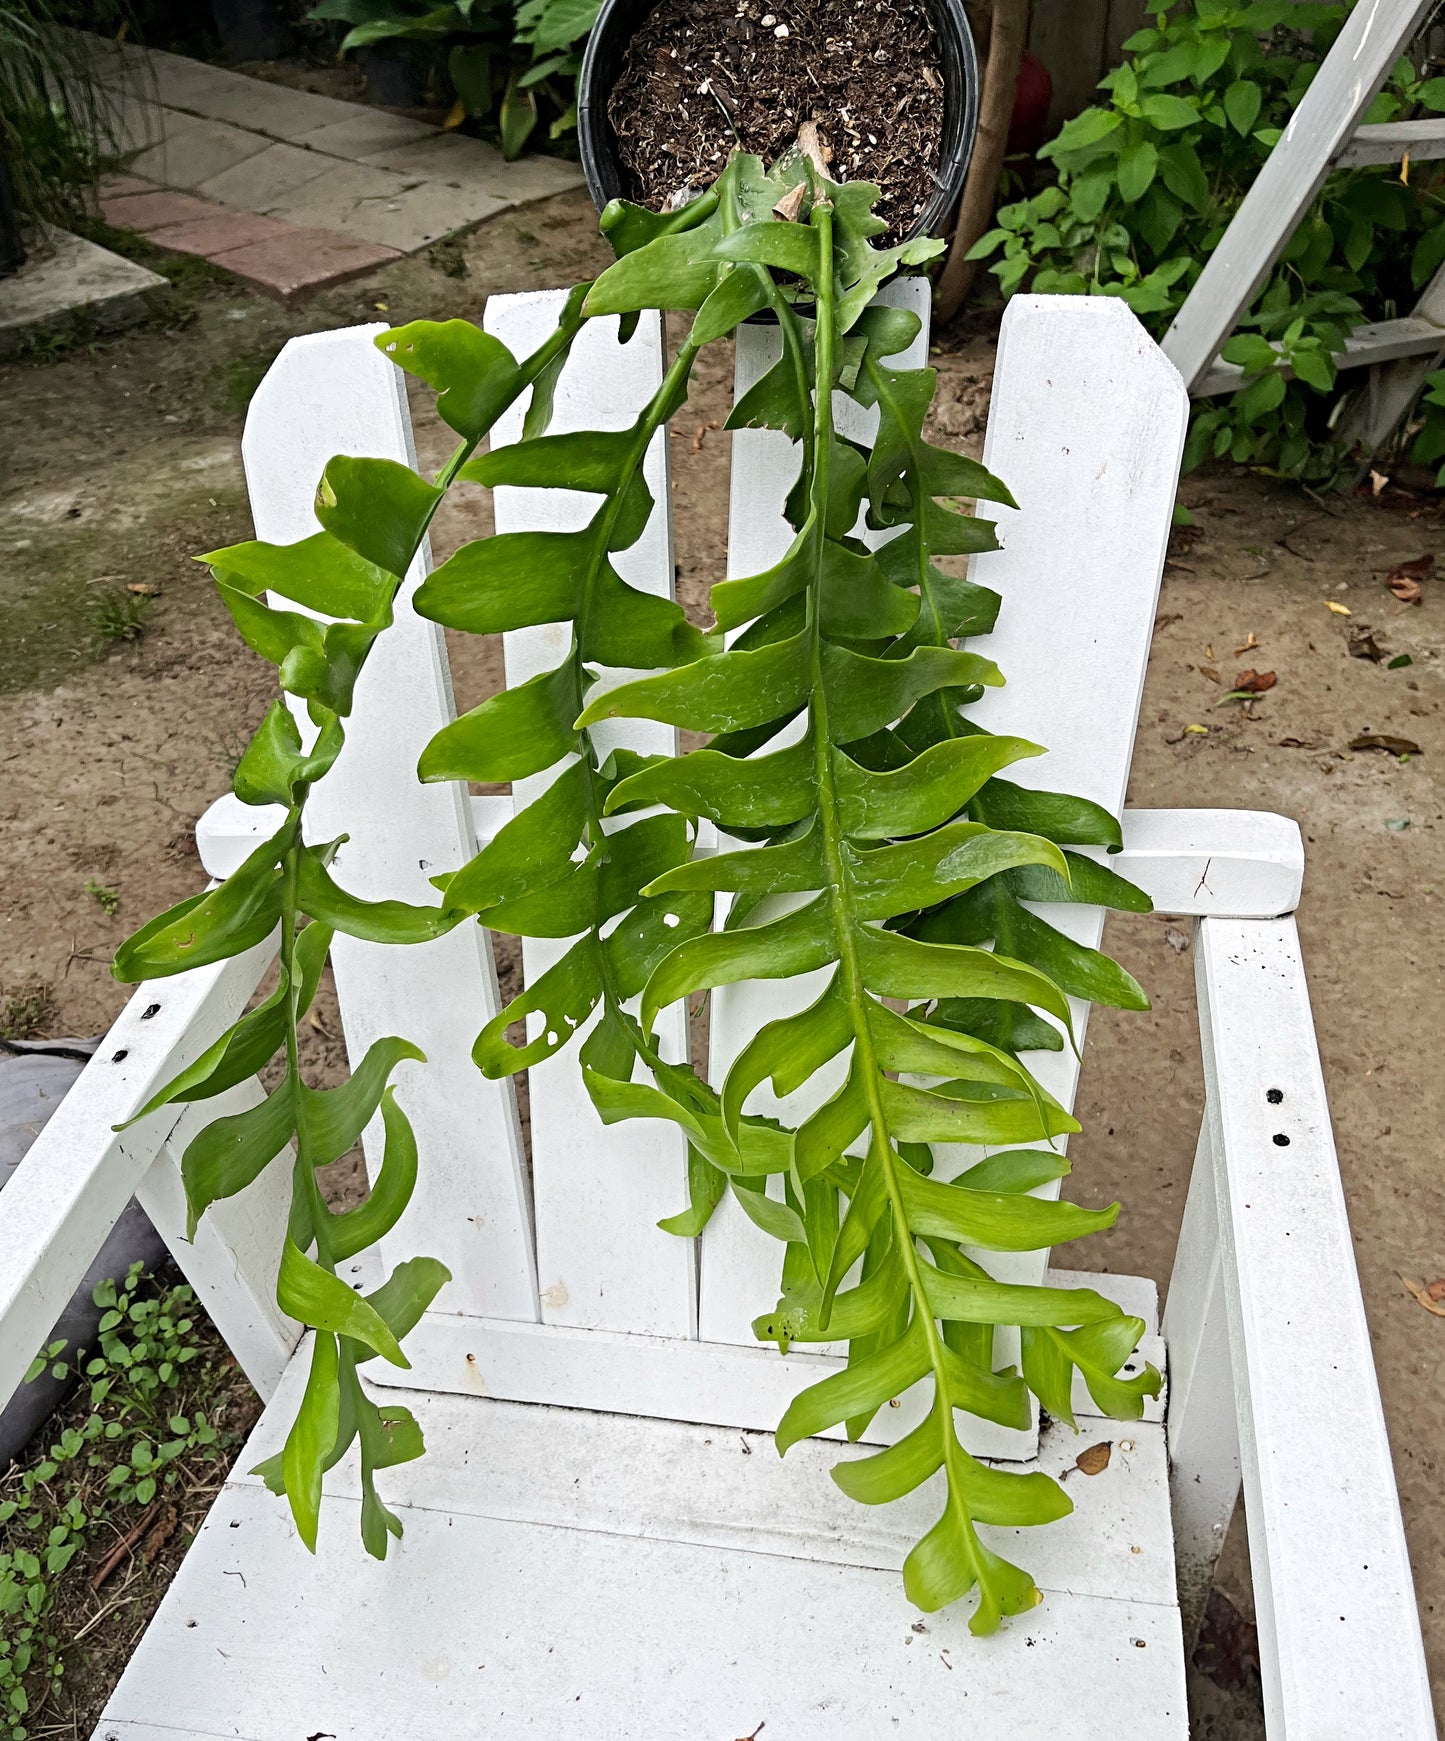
(618, 22)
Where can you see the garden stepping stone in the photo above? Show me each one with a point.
(192, 150)
(300, 259)
(297, 189)
(271, 175)
(222, 232)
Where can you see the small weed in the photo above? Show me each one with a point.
(449, 257)
(131, 1451)
(118, 618)
(238, 379)
(107, 899)
(27, 1013)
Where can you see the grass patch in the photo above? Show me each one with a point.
(118, 619)
(28, 1013)
(95, 1516)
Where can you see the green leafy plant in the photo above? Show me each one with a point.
(499, 57)
(136, 1438)
(1148, 180)
(118, 619)
(59, 104)
(105, 897)
(876, 838)
(1428, 447)
(374, 514)
(27, 1012)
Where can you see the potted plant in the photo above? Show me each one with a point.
(668, 91)
(878, 839)
(497, 60)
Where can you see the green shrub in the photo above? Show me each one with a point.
(498, 56)
(1148, 181)
(58, 119)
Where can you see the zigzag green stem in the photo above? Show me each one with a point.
(832, 840)
(305, 1187)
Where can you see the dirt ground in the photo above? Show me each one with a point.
(117, 462)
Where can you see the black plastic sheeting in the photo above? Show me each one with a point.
(35, 1076)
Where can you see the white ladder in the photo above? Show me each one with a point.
(1324, 134)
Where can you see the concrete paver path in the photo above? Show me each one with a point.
(290, 189)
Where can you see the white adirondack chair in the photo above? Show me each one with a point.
(600, 1541)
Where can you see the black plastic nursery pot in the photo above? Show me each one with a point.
(250, 29)
(619, 21)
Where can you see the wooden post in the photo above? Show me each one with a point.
(1008, 30)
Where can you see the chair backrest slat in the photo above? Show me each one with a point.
(331, 393)
(1086, 426)
(599, 1191)
(739, 1269)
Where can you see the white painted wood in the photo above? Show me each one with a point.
(330, 393)
(1392, 141)
(1373, 37)
(671, 1481)
(1372, 345)
(602, 1261)
(1203, 1436)
(1340, 1643)
(1083, 552)
(233, 1260)
(1244, 864)
(1078, 571)
(489, 1628)
(1389, 392)
(630, 1578)
(64, 1197)
(1238, 864)
(718, 1384)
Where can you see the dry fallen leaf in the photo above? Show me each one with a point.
(455, 116)
(1382, 740)
(1256, 682)
(789, 208)
(1248, 646)
(1419, 568)
(1210, 672)
(1340, 610)
(143, 588)
(1298, 743)
(1378, 480)
(1431, 1297)
(1404, 588)
(1095, 1460)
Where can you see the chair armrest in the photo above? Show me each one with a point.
(1340, 1644)
(1243, 864)
(1239, 863)
(68, 1191)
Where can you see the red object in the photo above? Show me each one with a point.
(1029, 123)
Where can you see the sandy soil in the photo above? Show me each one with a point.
(120, 461)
